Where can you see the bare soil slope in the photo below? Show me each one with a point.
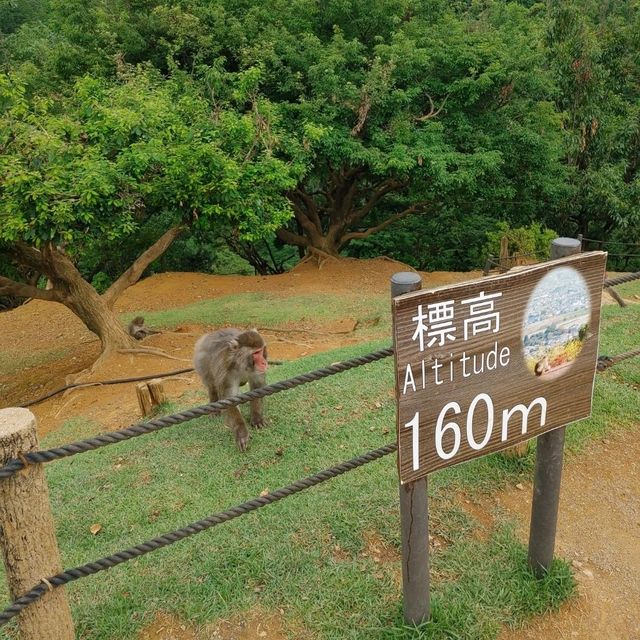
(599, 528)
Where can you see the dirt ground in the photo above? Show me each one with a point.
(599, 528)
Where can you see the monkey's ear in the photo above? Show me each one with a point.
(233, 344)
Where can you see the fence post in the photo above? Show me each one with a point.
(414, 513)
(548, 472)
(27, 533)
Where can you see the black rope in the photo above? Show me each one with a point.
(602, 242)
(104, 383)
(604, 362)
(142, 428)
(195, 527)
(612, 282)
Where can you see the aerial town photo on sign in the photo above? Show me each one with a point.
(556, 322)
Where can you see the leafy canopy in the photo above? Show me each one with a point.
(112, 155)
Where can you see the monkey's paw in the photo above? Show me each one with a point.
(242, 439)
(258, 422)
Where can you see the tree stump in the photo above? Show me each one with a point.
(150, 394)
(28, 534)
(158, 396)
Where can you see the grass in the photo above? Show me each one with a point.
(271, 310)
(10, 362)
(306, 554)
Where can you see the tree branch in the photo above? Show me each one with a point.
(29, 256)
(432, 110)
(303, 219)
(385, 187)
(10, 287)
(133, 273)
(288, 237)
(347, 200)
(357, 235)
(311, 206)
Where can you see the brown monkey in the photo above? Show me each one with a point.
(138, 329)
(225, 360)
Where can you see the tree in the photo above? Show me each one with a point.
(401, 108)
(82, 171)
(593, 54)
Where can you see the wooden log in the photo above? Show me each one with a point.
(156, 390)
(144, 398)
(27, 533)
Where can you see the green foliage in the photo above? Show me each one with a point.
(471, 113)
(371, 106)
(450, 240)
(138, 155)
(593, 56)
(533, 241)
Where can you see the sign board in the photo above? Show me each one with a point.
(483, 365)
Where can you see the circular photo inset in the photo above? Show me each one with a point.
(556, 322)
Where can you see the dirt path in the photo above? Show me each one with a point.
(599, 532)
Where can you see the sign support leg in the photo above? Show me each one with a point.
(548, 473)
(414, 514)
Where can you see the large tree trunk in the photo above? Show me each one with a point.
(329, 219)
(72, 290)
(98, 317)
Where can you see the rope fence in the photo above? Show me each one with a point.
(629, 277)
(167, 539)
(143, 428)
(617, 242)
(604, 362)
(199, 526)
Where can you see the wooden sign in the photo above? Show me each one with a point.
(483, 365)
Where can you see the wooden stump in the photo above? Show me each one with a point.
(27, 533)
(158, 396)
(150, 394)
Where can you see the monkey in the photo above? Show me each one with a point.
(542, 366)
(138, 330)
(225, 360)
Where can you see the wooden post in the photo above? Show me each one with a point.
(144, 398)
(505, 262)
(616, 296)
(150, 394)
(548, 472)
(27, 533)
(156, 390)
(414, 514)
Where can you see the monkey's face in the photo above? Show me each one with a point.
(260, 359)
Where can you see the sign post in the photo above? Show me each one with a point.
(484, 365)
(548, 473)
(414, 514)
